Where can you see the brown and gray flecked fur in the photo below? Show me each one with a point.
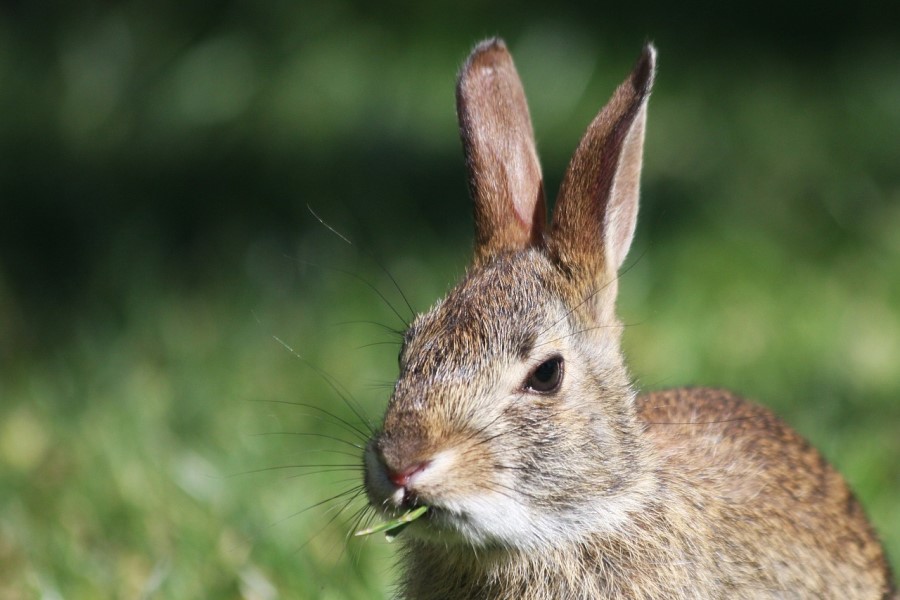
(588, 490)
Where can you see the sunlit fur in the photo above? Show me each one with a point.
(591, 492)
(588, 491)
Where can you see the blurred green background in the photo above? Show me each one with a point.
(157, 162)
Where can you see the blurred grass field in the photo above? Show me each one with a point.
(156, 173)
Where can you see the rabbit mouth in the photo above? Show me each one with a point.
(435, 518)
(441, 525)
(436, 523)
(452, 515)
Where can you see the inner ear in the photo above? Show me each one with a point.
(596, 212)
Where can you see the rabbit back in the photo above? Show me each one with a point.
(770, 499)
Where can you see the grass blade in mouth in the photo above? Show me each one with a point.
(393, 527)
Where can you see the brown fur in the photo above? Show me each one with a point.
(586, 490)
(741, 507)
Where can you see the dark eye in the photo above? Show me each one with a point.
(546, 377)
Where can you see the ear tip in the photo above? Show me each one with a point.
(644, 71)
(649, 53)
(491, 43)
(487, 53)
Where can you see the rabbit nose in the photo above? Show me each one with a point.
(401, 478)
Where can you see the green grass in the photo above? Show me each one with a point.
(126, 449)
(141, 446)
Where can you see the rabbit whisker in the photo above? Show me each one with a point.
(342, 393)
(363, 436)
(384, 343)
(343, 506)
(307, 434)
(387, 328)
(377, 262)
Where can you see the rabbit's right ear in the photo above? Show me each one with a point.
(504, 173)
(596, 210)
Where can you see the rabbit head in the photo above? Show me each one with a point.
(513, 416)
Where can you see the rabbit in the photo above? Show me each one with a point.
(515, 421)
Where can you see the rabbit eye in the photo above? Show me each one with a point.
(546, 377)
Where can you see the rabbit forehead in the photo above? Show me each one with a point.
(496, 311)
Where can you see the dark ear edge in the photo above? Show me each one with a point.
(596, 212)
(504, 173)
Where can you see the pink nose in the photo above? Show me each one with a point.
(401, 478)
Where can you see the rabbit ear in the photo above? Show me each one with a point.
(504, 172)
(596, 212)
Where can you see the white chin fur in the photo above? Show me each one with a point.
(497, 519)
(488, 518)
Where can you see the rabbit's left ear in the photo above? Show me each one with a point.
(596, 212)
(504, 173)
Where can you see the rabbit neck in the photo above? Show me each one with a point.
(597, 564)
(601, 566)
